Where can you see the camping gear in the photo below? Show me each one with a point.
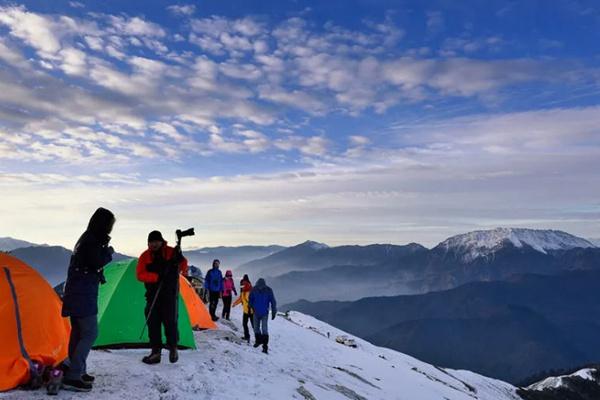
(121, 304)
(32, 333)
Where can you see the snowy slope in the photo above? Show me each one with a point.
(482, 243)
(304, 363)
(555, 382)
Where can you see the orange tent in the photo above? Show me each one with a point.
(32, 328)
(199, 316)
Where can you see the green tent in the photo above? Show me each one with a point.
(121, 304)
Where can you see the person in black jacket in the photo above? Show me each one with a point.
(80, 301)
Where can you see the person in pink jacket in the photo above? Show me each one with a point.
(228, 289)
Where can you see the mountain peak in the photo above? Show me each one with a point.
(484, 242)
(10, 244)
(313, 245)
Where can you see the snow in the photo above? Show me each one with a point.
(314, 245)
(483, 243)
(555, 382)
(304, 358)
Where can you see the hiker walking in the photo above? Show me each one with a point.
(261, 297)
(245, 289)
(228, 288)
(159, 268)
(213, 282)
(80, 301)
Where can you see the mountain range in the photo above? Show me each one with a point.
(9, 244)
(353, 272)
(508, 329)
(230, 257)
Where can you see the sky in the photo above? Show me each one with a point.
(261, 122)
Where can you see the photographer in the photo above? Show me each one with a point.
(80, 302)
(159, 268)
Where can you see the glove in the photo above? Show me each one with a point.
(153, 267)
(273, 315)
(101, 277)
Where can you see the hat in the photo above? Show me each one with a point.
(155, 236)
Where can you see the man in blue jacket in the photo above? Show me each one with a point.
(260, 298)
(213, 283)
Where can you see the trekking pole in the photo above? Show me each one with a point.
(151, 309)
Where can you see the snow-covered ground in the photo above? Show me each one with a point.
(481, 243)
(554, 382)
(305, 363)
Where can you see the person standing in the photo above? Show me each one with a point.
(159, 268)
(228, 288)
(261, 298)
(80, 301)
(213, 282)
(245, 289)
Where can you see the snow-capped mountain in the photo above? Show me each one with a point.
(583, 384)
(555, 382)
(477, 244)
(314, 245)
(305, 362)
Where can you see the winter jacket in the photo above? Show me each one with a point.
(261, 297)
(90, 255)
(228, 287)
(213, 282)
(244, 297)
(150, 264)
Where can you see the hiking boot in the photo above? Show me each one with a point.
(173, 355)
(265, 344)
(88, 378)
(258, 340)
(76, 385)
(214, 318)
(153, 358)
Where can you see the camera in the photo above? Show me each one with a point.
(188, 232)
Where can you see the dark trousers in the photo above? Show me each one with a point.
(245, 319)
(213, 302)
(84, 332)
(261, 325)
(164, 314)
(226, 307)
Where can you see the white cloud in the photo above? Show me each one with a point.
(73, 61)
(135, 26)
(35, 30)
(182, 9)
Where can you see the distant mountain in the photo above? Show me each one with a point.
(473, 245)
(353, 272)
(230, 257)
(9, 244)
(509, 330)
(583, 384)
(315, 256)
(595, 242)
(51, 261)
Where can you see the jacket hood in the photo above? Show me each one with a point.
(228, 273)
(101, 223)
(260, 284)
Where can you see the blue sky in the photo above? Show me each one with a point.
(276, 122)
